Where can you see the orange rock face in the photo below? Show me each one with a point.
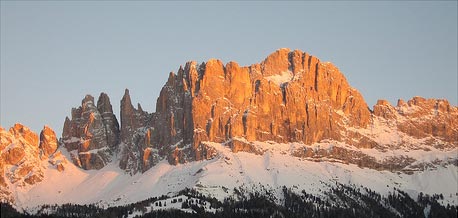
(21, 131)
(290, 96)
(48, 142)
(423, 118)
(22, 155)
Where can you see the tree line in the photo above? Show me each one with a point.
(339, 201)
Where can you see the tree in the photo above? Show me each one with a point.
(184, 205)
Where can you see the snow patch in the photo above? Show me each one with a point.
(281, 78)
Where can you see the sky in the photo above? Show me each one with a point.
(53, 53)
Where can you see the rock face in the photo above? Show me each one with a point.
(48, 142)
(92, 135)
(137, 151)
(423, 118)
(21, 149)
(291, 96)
(22, 154)
(109, 121)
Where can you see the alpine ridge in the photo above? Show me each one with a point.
(248, 123)
(289, 97)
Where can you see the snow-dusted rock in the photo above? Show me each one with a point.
(137, 152)
(23, 158)
(291, 96)
(92, 133)
(258, 103)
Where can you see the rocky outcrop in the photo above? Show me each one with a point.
(48, 142)
(21, 156)
(131, 119)
(138, 153)
(384, 109)
(433, 119)
(24, 134)
(111, 125)
(92, 135)
(173, 120)
(290, 96)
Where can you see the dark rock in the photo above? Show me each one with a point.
(93, 133)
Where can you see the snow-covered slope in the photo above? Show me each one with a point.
(218, 177)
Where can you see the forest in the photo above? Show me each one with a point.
(339, 201)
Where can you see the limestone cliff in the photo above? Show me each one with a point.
(291, 96)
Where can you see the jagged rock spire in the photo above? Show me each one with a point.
(135, 137)
(92, 132)
(48, 141)
(110, 122)
(127, 115)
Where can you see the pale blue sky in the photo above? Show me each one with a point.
(53, 53)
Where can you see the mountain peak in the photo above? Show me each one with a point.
(19, 127)
(126, 92)
(103, 103)
(291, 96)
(48, 141)
(22, 155)
(125, 101)
(87, 99)
(92, 134)
(21, 131)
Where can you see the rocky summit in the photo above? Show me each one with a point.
(22, 157)
(291, 96)
(92, 135)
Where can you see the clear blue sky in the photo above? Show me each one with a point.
(53, 53)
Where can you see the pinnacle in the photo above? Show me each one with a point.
(88, 98)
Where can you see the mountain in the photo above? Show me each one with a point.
(289, 97)
(290, 121)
